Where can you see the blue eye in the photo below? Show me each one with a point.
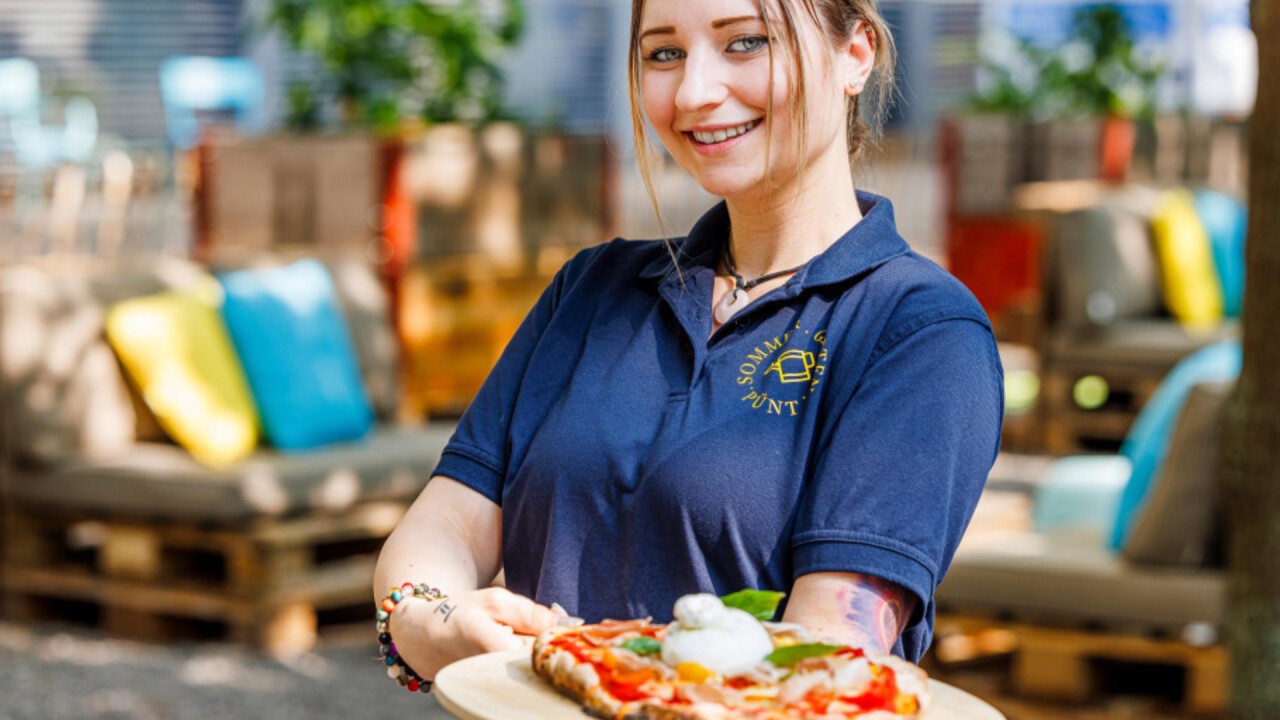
(748, 44)
(664, 55)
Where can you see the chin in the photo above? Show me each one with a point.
(730, 185)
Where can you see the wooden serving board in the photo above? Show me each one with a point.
(502, 686)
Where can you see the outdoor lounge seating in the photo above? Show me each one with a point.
(1109, 297)
(107, 520)
(1072, 595)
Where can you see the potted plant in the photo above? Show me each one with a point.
(385, 62)
(1082, 97)
(387, 71)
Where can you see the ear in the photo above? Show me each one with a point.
(858, 58)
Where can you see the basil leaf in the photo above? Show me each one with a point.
(762, 604)
(642, 645)
(788, 656)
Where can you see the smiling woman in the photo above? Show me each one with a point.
(788, 398)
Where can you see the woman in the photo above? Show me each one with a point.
(787, 399)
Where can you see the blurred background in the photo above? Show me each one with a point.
(256, 257)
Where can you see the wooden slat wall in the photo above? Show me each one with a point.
(938, 57)
(563, 69)
(111, 50)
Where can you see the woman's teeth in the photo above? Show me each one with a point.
(710, 138)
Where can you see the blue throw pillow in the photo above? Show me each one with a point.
(297, 353)
(1225, 220)
(1148, 439)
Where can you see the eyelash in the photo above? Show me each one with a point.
(760, 40)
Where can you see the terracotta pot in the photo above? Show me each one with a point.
(1119, 135)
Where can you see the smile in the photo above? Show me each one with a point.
(719, 136)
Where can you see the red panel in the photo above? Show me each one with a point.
(998, 258)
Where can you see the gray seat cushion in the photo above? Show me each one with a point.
(62, 389)
(1105, 268)
(160, 479)
(367, 309)
(1177, 522)
(1072, 580)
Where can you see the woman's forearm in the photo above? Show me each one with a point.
(860, 610)
(451, 538)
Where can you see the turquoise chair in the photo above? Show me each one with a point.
(37, 145)
(192, 85)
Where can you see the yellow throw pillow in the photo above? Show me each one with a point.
(1189, 281)
(176, 349)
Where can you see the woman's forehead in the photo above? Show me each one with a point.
(699, 14)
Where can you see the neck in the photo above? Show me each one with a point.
(796, 222)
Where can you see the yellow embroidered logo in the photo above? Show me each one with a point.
(798, 372)
(799, 366)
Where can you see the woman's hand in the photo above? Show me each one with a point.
(432, 634)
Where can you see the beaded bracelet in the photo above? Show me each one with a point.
(397, 668)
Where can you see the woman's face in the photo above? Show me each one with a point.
(705, 69)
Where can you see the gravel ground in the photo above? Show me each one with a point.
(65, 673)
(57, 673)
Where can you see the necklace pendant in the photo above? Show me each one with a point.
(731, 304)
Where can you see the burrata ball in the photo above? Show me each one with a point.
(721, 639)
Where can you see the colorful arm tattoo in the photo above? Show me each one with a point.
(875, 611)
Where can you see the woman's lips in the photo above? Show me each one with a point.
(724, 146)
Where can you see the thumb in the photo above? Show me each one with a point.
(522, 614)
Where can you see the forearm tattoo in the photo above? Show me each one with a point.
(875, 611)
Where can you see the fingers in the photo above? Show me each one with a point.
(520, 613)
(490, 636)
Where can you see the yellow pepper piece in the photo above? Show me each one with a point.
(905, 705)
(693, 672)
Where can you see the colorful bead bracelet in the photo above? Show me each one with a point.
(397, 668)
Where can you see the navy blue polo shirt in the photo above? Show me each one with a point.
(843, 422)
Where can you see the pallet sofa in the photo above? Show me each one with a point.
(106, 521)
(1073, 600)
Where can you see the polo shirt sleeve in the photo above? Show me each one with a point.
(903, 458)
(477, 454)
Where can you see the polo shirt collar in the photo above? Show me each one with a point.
(868, 244)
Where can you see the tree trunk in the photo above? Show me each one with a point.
(1251, 459)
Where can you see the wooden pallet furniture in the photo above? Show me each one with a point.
(1061, 664)
(1068, 428)
(105, 520)
(1071, 664)
(268, 582)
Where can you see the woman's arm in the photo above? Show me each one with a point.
(860, 610)
(451, 539)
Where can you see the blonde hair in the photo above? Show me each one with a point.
(837, 18)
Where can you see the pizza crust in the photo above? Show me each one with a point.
(576, 680)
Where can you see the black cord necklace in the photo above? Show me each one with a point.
(736, 299)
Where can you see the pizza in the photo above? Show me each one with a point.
(721, 662)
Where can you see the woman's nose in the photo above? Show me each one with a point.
(702, 84)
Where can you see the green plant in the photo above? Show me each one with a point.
(388, 60)
(1096, 71)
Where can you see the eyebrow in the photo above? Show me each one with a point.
(734, 20)
(717, 24)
